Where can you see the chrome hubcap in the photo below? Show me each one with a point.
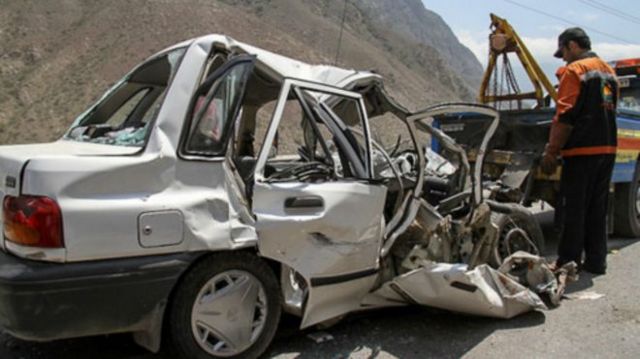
(229, 313)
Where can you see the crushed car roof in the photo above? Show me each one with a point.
(284, 67)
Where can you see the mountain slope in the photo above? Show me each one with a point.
(411, 18)
(56, 57)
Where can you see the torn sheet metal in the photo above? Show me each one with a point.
(524, 282)
(438, 165)
(534, 272)
(431, 237)
(482, 291)
(517, 170)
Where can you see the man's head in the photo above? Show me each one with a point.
(572, 43)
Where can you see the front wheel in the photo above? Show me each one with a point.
(227, 306)
(517, 232)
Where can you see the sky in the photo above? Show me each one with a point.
(612, 25)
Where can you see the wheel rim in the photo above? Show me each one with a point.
(229, 313)
(513, 238)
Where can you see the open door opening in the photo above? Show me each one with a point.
(317, 209)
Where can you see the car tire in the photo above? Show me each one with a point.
(227, 306)
(512, 229)
(626, 218)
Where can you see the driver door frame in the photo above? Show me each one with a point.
(334, 249)
(287, 86)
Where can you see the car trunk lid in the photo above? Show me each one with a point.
(14, 158)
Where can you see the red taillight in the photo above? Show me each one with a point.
(627, 63)
(32, 221)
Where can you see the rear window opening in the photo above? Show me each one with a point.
(124, 115)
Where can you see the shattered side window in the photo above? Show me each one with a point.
(348, 112)
(312, 144)
(350, 136)
(123, 116)
(215, 110)
(392, 136)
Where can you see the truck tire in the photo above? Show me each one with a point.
(517, 232)
(227, 306)
(626, 219)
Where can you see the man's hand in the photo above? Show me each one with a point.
(549, 161)
(558, 136)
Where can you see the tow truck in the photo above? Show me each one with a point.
(513, 155)
(626, 173)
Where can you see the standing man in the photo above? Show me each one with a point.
(583, 133)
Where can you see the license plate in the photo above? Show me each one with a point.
(623, 83)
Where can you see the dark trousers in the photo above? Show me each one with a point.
(584, 190)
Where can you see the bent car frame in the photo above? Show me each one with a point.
(218, 184)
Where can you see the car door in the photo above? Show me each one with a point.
(320, 215)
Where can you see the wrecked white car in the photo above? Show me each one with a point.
(218, 184)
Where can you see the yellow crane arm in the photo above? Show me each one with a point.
(504, 40)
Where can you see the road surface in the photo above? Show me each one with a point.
(606, 327)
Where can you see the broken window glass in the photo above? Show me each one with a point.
(215, 110)
(123, 115)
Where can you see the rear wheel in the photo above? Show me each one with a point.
(227, 306)
(626, 219)
(517, 232)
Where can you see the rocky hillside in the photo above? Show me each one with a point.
(410, 18)
(58, 56)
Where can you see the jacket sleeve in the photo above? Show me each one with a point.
(568, 92)
(558, 137)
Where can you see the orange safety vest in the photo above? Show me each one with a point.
(587, 99)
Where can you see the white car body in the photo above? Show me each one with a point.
(328, 238)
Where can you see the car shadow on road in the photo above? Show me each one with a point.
(585, 280)
(98, 347)
(545, 219)
(408, 332)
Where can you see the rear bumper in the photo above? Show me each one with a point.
(45, 301)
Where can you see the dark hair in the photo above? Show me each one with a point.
(573, 34)
(583, 42)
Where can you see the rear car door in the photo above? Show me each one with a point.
(319, 212)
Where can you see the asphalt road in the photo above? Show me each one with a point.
(607, 327)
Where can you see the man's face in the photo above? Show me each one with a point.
(565, 53)
(570, 51)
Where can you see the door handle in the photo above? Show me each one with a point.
(304, 202)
